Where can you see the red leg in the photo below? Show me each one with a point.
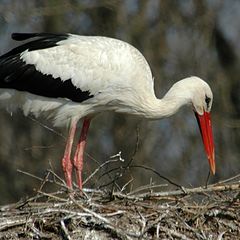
(66, 161)
(78, 158)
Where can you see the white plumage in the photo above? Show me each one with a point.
(70, 77)
(99, 65)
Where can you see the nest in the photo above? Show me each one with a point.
(211, 212)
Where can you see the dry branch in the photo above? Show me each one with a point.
(186, 213)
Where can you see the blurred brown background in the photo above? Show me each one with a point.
(178, 39)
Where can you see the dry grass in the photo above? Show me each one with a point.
(211, 212)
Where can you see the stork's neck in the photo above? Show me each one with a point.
(181, 93)
(192, 90)
(159, 108)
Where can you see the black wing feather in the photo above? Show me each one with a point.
(46, 40)
(25, 36)
(16, 74)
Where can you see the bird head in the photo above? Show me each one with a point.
(202, 96)
(202, 99)
(197, 92)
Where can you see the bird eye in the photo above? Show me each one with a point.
(207, 100)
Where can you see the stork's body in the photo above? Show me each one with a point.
(69, 77)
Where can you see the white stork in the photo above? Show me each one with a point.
(70, 77)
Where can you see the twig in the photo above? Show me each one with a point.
(157, 173)
(62, 184)
(192, 213)
(52, 196)
(123, 233)
(146, 187)
(30, 175)
(122, 168)
(135, 149)
(229, 179)
(47, 127)
(13, 222)
(220, 236)
(187, 191)
(211, 188)
(98, 169)
(119, 212)
(126, 184)
(44, 180)
(174, 233)
(65, 230)
(142, 221)
(208, 177)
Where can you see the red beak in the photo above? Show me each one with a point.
(205, 126)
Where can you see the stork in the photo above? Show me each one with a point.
(70, 77)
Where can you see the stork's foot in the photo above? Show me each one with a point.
(78, 165)
(78, 158)
(67, 168)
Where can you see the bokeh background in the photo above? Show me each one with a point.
(178, 39)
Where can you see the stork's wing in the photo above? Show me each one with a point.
(15, 73)
(74, 67)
